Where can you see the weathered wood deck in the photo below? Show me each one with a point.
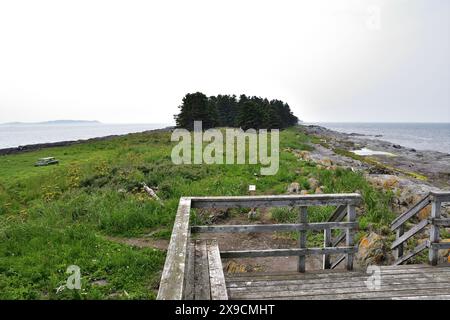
(193, 269)
(396, 282)
(205, 279)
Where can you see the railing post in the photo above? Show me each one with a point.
(326, 243)
(351, 217)
(303, 218)
(434, 232)
(399, 249)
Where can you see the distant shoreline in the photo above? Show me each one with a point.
(52, 122)
(39, 146)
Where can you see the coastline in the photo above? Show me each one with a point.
(428, 166)
(423, 136)
(40, 146)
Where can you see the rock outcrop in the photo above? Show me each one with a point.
(373, 250)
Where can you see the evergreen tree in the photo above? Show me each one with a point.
(196, 107)
(250, 116)
(227, 111)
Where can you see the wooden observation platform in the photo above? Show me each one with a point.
(193, 269)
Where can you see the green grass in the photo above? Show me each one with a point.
(56, 216)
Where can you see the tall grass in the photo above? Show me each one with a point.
(56, 216)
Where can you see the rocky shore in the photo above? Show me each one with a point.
(409, 174)
(406, 173)
(428, 167)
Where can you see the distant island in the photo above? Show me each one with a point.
(54, 122)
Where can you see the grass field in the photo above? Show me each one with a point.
(56, 216)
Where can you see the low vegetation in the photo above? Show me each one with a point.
(69, 214)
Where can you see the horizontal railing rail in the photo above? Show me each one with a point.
(286, 252)
(276, 201)
(286, 227)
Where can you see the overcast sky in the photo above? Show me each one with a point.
(133, 61)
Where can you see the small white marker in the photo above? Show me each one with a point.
(252, 187)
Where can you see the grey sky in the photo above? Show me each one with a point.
(132, 61)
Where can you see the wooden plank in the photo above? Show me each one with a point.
(349, 293)
(338, 214)
(338, 261)
(440, 245)
(341, 283)
(188, 293)
(412, 253)
(394, 269)
(172, 279)
(411, 212)
(351, 216)
(335, 281)
(273, 281)
(433, 253)
(411, 232)
(385, 295)
(438, 297)
(353, 286)
(276, 201)
(441, 196)
(285, 227)
(337, 273)
(303, 219)
(399, 250)
(326, 264)
(440, 222)
(202, 290)
(320, 277)
(416, 266)
(286, 252)
(339, 239)
(216, 276)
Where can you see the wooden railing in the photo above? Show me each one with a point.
(340, 213)
(435, 220)
(173, 277)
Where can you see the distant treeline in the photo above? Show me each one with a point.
(229, 111)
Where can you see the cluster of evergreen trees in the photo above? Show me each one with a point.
(229, 111)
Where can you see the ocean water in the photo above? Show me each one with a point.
(15, 135)
(420, 136)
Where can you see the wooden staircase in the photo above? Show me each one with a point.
(435, 199)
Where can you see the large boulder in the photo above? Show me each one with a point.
(325, 162)
(319, 190)
(372, 250)
(294, 187)
(313, 183)
(424, 213)
(444, 254)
